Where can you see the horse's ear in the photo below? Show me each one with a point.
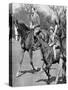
(17, 22)
(55, 22)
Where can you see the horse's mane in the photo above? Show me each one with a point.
(22, 26)
(24, 31)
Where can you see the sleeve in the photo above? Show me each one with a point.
(35, 19)
(38, 20)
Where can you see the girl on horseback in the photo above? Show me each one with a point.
(54, 41)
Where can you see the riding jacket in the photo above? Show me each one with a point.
(35, 19)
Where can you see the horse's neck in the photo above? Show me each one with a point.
(43, 43)
(27, 37)
(15, 28)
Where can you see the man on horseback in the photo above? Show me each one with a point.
(27, 37)
(35, 21)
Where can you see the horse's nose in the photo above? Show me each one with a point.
(16, 38)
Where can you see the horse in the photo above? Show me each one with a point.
(27, 42)
(48, 58)
(61, 33)
(12, 28)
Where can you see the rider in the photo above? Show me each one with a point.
(35, 21)
(53, 41)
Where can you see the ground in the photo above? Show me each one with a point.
(29, 79)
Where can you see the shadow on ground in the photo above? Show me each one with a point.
(46, 80)
(28, 71)
(52, 79)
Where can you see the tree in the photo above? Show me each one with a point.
(60, 12)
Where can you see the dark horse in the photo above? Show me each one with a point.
(27, 42)
(61, 33)
(48, 58)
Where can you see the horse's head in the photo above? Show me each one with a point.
(17, 36)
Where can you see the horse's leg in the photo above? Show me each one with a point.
(64, 71)
(47, 72)
(31, 62)
(64, 76)
(22, 58)
(42, 67)
(48, 76)
(59, 70)
(20, 64)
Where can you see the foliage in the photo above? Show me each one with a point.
(60, 12)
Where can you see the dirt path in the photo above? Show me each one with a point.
(28, 79)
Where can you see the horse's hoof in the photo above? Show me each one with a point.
(41, 69)
(35, 68)
(55, 82)
(18, 74)
(48, 81)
